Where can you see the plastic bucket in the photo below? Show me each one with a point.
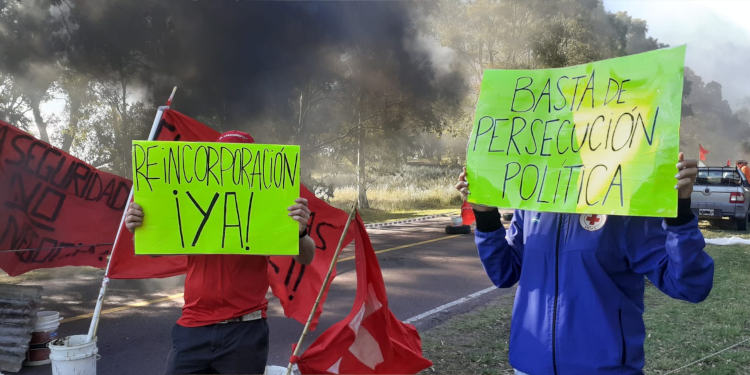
(73, 355)
(44, 331)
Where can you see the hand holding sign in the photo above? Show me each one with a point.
(134, 219)
(463, 187)
(301, 213)
(688, 171)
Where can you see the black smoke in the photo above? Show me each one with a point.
(236, 61)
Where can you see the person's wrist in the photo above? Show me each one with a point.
(488, 221)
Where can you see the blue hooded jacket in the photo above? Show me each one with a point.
(579, 304)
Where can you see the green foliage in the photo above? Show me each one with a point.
(13, 108)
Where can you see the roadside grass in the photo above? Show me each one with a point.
(428, 192)
(721, 228)
(413, 188)
(678, 332)
(406, 198)
(472, 343)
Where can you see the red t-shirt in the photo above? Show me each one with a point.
(220, 287)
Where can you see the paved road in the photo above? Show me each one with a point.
(423, 268)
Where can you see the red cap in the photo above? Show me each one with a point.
(235, 136)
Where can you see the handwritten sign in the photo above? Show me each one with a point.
(597, 138)
(216, 198)
(61, 208)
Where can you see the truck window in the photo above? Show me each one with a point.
(718, 177)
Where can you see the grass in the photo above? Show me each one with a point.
(404, 198)
(472, 343)
(405, 193)
(678, 332)
(721, 228)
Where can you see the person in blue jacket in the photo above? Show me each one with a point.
(579, 304)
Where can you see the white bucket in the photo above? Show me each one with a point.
(278, 370)
(44, 331)
(73, 355)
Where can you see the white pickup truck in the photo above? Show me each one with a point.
(719, 193)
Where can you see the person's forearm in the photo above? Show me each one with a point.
(689, 270)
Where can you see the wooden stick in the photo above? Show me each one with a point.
(323, 288)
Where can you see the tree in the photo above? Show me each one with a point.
(711, 122)
(29, 54)
(13, 108)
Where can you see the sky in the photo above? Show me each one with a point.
(717, 34)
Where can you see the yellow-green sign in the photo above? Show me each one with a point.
(597, 138)
(216, 198)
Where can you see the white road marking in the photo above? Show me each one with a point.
(449, 305)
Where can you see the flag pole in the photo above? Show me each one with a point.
(323, 288)
(105, 280)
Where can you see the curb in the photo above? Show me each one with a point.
(397, 222)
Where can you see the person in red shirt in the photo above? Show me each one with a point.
(223, 325)
(742, 165)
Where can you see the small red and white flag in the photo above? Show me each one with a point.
(370, 340)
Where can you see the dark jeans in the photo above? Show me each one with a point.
(231, 348)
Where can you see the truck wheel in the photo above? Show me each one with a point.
(741, 223)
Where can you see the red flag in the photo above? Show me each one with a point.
(370, 340)
(297, 285)
(61, 207)
(702, 152)
(467, 214)
(729, 162)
